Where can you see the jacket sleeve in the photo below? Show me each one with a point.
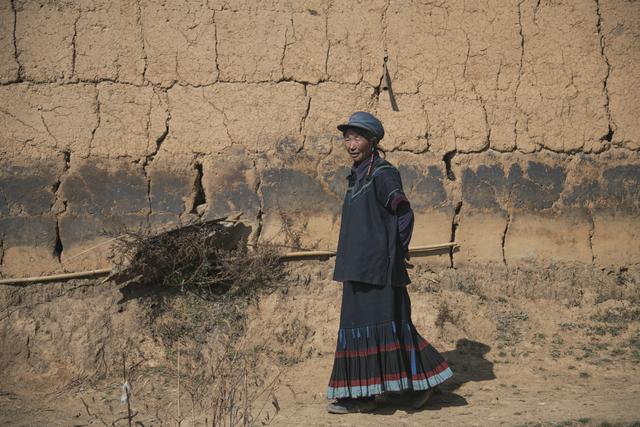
(389, 190)
(405, 225)
(390, 194)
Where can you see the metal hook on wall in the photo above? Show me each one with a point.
(386, 85)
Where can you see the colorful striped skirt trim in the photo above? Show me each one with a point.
(386, 357)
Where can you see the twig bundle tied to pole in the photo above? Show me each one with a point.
(203, 255)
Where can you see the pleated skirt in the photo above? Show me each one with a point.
(378, 347)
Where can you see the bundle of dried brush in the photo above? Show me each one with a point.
(207, 257)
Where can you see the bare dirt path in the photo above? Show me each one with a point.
(517, 395)
(567, 354)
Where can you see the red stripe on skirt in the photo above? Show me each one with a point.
(379, 349)
(390, 377)
(426, 375)
(367, 382)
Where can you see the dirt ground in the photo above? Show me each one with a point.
(566, 354)
(531, 393)
(528, 393)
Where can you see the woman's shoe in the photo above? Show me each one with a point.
(351, 405)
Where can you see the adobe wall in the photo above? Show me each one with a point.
(517, 132)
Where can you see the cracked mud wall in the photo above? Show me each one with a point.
(517, 130)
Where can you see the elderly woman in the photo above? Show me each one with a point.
(378, 346)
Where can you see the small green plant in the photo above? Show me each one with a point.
(618, 352)
(538, 339)
(634, 344)
(568, 326)
(600, 330)
(509, 326)
(618, 315)
(446, 314)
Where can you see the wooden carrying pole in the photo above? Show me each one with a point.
(62, 276)
(286, 257)
(323, 254)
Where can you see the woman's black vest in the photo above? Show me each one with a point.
(369, 248)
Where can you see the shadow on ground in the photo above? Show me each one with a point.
(468, 364)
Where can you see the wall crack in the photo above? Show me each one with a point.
(605, 90)
(73, 45)
(303, 122)
(58, 247)
(466, 59)
(59, 206)
(259, 216)
(225, 119)
(385, 26)
(199, 195)
(142, 41)
(520, 66)
(1, 254)
(97, 111)
(161, 138)
(44, 123)
(448, 156)
(156, 149)
(215, 44)
(504, 238)
(287, 43)
(326, 35)
(16, 53)
(454, 227)
(592, 229)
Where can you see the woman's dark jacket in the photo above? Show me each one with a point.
(369, 247)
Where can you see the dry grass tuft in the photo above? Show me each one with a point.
(195, 284)
(207, 258)
(447, 314)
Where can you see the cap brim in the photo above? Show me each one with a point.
(344, 127)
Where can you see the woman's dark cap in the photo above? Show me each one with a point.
(365, 121)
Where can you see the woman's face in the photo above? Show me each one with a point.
(358, 147)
